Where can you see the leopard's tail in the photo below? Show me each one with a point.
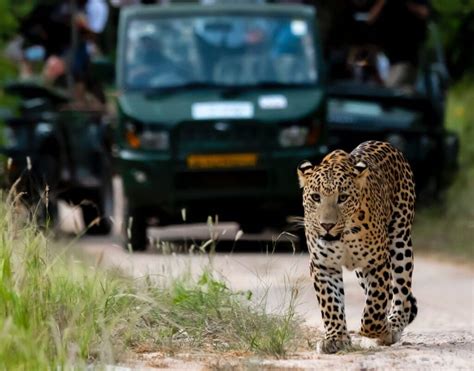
(413, 308)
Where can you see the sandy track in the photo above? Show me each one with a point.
(440, 338)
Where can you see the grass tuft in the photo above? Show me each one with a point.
(205, 315)
(57, 312)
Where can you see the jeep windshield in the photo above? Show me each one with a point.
(231, 51)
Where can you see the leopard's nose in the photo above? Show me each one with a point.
(327, 226)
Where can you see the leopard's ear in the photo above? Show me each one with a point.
(360, 167)
(361, 172)
(305, 169)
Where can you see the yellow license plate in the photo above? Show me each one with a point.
(222, 161)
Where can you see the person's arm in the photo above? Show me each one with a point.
(421, 10)
(375, 11)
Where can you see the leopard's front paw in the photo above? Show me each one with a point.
(389, 338)
(330, 346)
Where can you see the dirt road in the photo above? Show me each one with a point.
(440, 338)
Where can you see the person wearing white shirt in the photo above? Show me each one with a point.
(97, 12)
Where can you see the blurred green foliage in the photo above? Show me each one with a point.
(455, 19)
(453, 7)
(448, 226)
(11, 11)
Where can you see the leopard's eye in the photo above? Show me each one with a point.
(316, 197)
(342, 198)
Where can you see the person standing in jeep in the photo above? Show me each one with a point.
(402, 43)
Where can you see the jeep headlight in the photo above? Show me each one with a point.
(155, 139)
(147, 138)
(293, 136)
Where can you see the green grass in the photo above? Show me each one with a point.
(448, 227)
(206, 315)
(56, 311)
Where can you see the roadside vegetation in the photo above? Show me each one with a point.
(59, 313)
(448, 226)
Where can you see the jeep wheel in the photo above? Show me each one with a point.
(98, 209)
(135, 230)
(42, 190)
(47, 215)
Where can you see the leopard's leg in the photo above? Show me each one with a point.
(376, 280)
(361, 279)
(403, 306)
(329, 287)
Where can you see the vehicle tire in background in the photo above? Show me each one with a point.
(97, 210)
(135, 223)
(47, 214)
(43, 190)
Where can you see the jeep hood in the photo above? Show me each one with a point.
(261, 105)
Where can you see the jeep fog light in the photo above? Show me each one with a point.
(140, 176)
(293, 136)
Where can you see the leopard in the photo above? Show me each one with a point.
(358, 214)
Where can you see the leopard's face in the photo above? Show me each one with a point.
(332, 194)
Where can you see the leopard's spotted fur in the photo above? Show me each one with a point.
(358, 213)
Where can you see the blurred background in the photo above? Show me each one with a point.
(155, 114)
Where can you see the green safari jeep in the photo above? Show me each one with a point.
(216, 107)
